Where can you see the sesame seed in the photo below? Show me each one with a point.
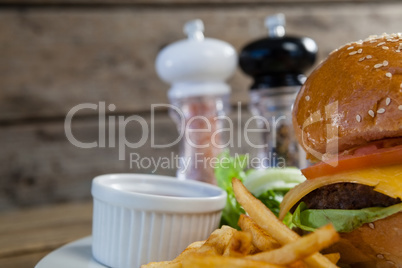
(400, 107)
(371, 113)
(349, 48)
(359, 51)
(353, 52)
(385, 63)
(373, 41)
(387, 101)
(400, 85)
(362, 59)
(307, 98)
(358, 118)
(371, 225)
(359, 42)
(378, 65)
(380, 44)
(380, 256)
(388, 75)
(385, 47)
(369, 57)
(333, 51)
(381, 111)
(398, 50)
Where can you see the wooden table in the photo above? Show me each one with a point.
(26, 236)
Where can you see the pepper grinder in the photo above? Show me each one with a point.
(197, 68)
(276, 64)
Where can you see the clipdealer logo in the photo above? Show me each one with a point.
(112, 133)
(107, 124)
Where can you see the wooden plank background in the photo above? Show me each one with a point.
(28, 235)
(58, 54)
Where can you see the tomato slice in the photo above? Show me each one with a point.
(363, 158)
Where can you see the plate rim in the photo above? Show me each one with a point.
(53, 256)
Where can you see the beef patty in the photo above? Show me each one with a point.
(347, 196)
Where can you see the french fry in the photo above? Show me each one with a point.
(298, 264)
(216, 244)
(160, 264)
(193, 247)
(217, 241)
(213, 261)
(261, 239)
(300, 248)
(239, 245)
(271, 224)
(333, 257)
(176, 263)
(262, 215)
(263, 242)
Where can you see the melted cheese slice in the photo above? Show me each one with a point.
(386, 180)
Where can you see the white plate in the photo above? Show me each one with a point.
(77, 254)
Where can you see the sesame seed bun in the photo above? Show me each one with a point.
(351, 98)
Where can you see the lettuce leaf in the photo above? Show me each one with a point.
(227, 169)
(271, 185)
(342, 219)
(268, 185)
(263, 180)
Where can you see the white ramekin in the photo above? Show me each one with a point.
(140, 218)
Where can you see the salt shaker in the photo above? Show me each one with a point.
(197, 68)
(277, 64)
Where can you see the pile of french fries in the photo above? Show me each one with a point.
(264, 241)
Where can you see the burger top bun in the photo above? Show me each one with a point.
(351, 98)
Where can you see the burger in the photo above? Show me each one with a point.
(348, 118)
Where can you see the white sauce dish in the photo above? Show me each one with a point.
(140, 218)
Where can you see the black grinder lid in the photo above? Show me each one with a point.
(278, 60)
